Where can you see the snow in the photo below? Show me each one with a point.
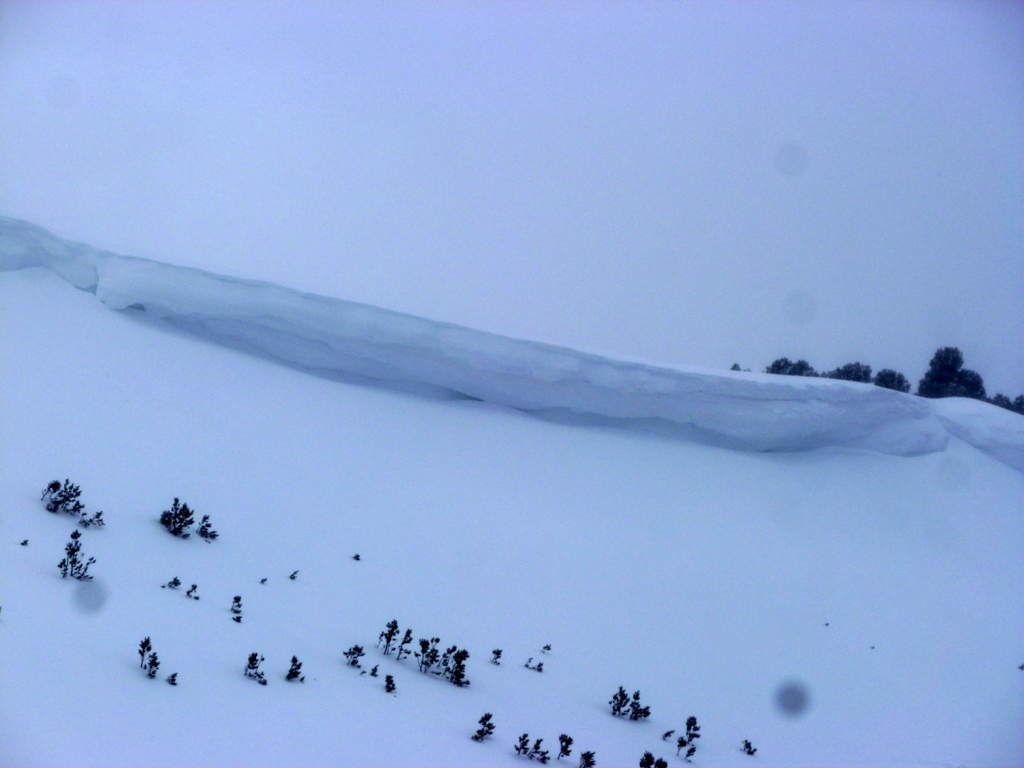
(701, 575)
(347, 340)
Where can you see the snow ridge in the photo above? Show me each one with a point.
(352, 341)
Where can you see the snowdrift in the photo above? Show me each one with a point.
(347, 340)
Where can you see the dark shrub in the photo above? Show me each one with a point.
(890, 379)
(946, 377)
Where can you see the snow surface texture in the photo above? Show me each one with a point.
(706, 578)
(348, 340)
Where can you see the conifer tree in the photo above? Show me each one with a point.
(389, 684)
(637, 712)
(353, 654)
(620, 703)
(295, 672)
(177, 519)
(388, 636)
(152, 665)
(523, 746)
(403, 647)
(564, 746)
(486, 728)
(428, 655)
(252, 669)
(692, 734)
(72, 565)
(62, 499)
(144, 647)
(587, 760)
(536, 753)
(204, 531)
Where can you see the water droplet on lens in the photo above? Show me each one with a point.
(792, 698)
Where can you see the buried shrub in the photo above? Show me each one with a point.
(564, 746)
(353, 654)
(692, 734)
(252, 669)
(62, 498)
(178, 519)
(72, 565)
(486, 728)
(535, 752)
(295, 671)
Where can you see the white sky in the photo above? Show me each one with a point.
(698, 183)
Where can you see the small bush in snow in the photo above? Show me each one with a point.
(564, 746)
(353, 654)
(692, 734)
(173, 679)
(373, 672)
(389, 637)
(620, 703)
(451, 664)
(252, 669)
(538, 667)
(587, 760)
(648, 761)
(403, 647)
(192, 592)
(428, 656)
(62, 499)
(96, 520)
(204, 531)
(72, 565)
(535, 752)
(637, 712)
(295, 671)
(236, 605)
(667, 735)
(293, 575)
(496, 656)
(748, 748)
(545, 649)
(486, 728)
(144, 647)
(172, 584)
(147, 658)
(389, 684)
(178, 519)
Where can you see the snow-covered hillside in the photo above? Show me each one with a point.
(342, 339)
(706, 577)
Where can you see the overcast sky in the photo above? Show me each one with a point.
(696, 183)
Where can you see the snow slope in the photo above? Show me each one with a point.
(702, 576)
(342, 339)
